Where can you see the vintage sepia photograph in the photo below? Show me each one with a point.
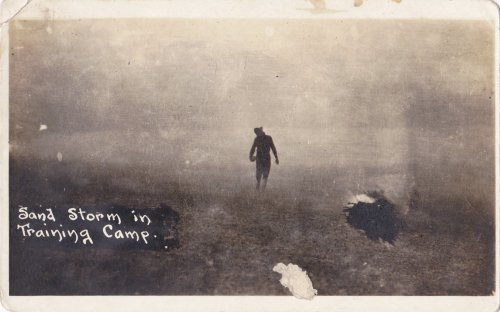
(252, 156)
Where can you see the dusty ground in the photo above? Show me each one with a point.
(231, 237)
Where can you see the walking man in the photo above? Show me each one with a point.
(264, 144)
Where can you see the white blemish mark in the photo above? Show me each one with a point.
(296, 280)
(363, 198)
(49, 30)
(43, 127)
(269, 31)
(386, 244)
(59, 156)
(187, 162)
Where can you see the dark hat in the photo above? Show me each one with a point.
(257, 130)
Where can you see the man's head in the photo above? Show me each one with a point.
(258, 131)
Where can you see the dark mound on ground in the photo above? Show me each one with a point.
(378, 220)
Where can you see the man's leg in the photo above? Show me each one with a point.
(258, 175)
(265, 173)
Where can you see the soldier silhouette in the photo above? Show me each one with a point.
(264, 144)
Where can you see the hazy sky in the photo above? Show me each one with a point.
(329, 92)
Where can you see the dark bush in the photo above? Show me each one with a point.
(378, 220)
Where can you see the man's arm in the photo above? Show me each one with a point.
(252, 150)
(275, 152)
